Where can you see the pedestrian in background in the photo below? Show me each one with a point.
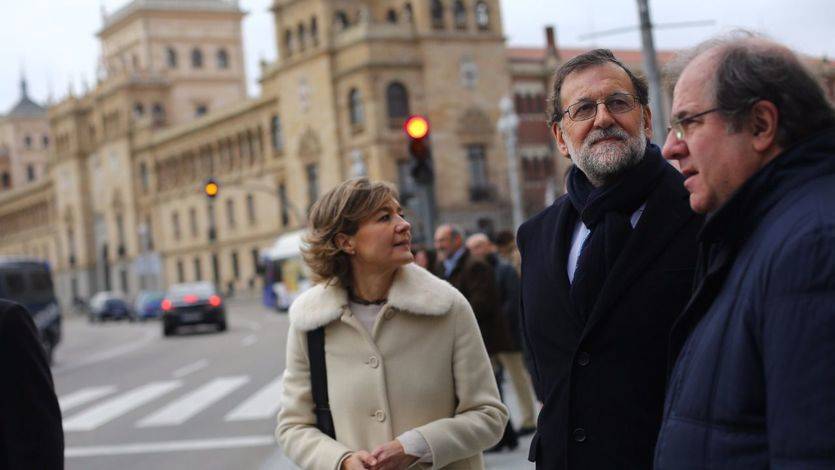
(606, 270)
(31, 434)
(408, 376)
(507, 281)
(474, 278)
(427, 258)
(754, 384)
(507, 250)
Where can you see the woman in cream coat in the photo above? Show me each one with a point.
(408, 376)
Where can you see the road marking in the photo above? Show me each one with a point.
(149, 337)
(170, 446)
(180, 410)
(84, 396)
(249, 341)
(109, 410)
(263, 405)
(191, 368)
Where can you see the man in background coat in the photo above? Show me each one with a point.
(606, 270)
(31, 435)
(754, 384)
(475, 279)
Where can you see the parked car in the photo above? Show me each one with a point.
(28, 282)
(148, 304)
(109, 305)
(192, 304)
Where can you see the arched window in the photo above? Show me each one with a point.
(340, 20)
(314, 31)
(408, 14)
(301, 34)
(391, 16)
(482, 15)
(45, 141)
(459, 14)
(138, 109)
(196, 58)
(171, 57)
(222, 59)
(355, 110)
(158, 113)
(437, 13)
(27, 141)
(397, 100)
(288, 42)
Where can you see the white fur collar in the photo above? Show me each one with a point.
(415, 290)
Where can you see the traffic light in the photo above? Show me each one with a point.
(211, 188)
(417, 128)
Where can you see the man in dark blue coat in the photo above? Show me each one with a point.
(605, 272)
(754, 381)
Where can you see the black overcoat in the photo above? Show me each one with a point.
(31, 435)
(603, 380)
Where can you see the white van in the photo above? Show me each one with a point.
(286, 275)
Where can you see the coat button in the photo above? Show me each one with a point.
(579, 434)
(373, 362)
(583, 358)
(380, 415)
(388, 315)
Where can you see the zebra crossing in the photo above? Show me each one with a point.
(90, 408)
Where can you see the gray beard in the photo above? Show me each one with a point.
(605, 161)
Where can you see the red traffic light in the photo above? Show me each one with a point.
(416, 127)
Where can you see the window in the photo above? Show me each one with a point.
(288, 42)
(301, 34)
(181, 276)
(27, 141)
(256, 261)
(222, 59)
(236, 271)
(482, 16)
(120, 234)
(408, 13)
(437, 13)
(355, 110)
(230, 212)
(6, 180)
(138, 109)
(30, 172)
(459, 14)
(123, 280)
(312, 183)
(340, 20)
(143, 176)
(171, 58)
(175, 225)
(198, 270)
(314, 31)
(397, 100)
(276, 137)
(391, 16)
(196, 58)
(284, 206)
(192, 219)
(478, 172)
(45, 140)
(158, 113)
(200, 110)
(250, 209)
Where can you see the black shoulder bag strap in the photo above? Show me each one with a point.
(319, 381)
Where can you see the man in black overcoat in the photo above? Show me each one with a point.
(31, 436)
(606, 270)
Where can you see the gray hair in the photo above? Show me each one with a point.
(750, 68)
(585, 60)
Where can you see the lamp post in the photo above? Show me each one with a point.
(508, 127)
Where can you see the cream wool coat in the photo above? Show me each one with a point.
(423, 367)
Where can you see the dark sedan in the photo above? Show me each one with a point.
(192, 304)
(109, 306)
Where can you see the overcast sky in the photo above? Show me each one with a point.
(54, 41)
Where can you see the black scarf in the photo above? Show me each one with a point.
(606, 211)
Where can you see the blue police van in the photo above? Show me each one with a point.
(29, 282)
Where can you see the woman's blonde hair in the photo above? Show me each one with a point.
(341, 210)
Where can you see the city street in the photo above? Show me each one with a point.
(132, 399)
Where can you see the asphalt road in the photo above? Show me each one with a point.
(132, 399)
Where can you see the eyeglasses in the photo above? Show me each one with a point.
(617, 103)
(677, 125)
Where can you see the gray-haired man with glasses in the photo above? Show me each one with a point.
(605, 271)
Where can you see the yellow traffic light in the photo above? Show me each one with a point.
(211, 188)
(417, 127)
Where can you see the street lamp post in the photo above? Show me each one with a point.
(508, 127)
